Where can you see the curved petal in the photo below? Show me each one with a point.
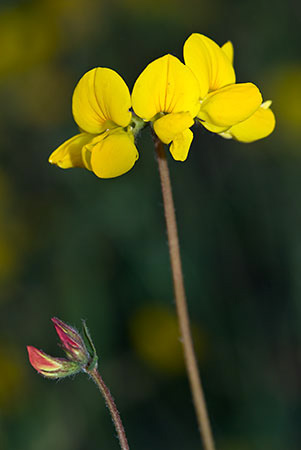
(165, 85)
(180, 145)
(113, 154)
(258, 126)
(69, 154)
(230, 105)
(86, 157)
(101, 101)
(228, 49)
(214, 128)
(168, 126)
(208, 62)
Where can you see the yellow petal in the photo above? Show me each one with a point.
(101, 101)
(228, 50)
(113, 154)
(168, 126)
(69, 154)
(258, 126)
(230, 105)
(208, 62)
(165, 85)
(214, 128)
(180, 145)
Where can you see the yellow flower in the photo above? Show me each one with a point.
(105, 144)
(226, 106)
(167, 94)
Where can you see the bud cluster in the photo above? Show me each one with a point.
(79, 358)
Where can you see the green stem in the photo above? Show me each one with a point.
(112, 407)
(181, 303)
(137, 124)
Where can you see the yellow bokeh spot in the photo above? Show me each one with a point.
(285, 89)
(12, 380)
(51, 106)
(35, 32)
(27, 37)
(156, 339)
(13, 234)
(9, 258)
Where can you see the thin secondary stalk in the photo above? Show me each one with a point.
(112, 407)
(181, 303)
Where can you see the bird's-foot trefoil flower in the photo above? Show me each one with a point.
(167, 94)
(101, 108)
(225, 104)
(81, 353)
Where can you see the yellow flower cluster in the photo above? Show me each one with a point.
(171, 96)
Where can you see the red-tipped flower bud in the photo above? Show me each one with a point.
(51, 367)
(72, 343)
(79, 357)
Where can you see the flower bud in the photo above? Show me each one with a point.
(51, 367)
(72, 343)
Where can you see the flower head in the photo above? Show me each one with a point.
(167, 94)
(225, 104)
(101, 108)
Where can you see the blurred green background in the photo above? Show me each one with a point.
(75, 247)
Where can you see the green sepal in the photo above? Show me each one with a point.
(92, 364)
(136, 124)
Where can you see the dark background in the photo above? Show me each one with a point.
(75, 247)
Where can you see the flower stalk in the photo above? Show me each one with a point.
(181, 303)
(105, 392)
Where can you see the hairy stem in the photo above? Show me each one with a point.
(181, 303)
(112, 407)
